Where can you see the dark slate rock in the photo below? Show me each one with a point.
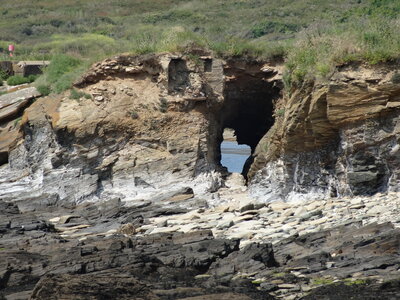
(96, 286)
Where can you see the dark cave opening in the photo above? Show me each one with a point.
(3, 158)
(248, 107)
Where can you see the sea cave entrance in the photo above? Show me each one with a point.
(247, 112)
(233, 155)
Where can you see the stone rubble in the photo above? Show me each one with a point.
(273, 221)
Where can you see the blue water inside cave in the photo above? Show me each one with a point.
(233, 156)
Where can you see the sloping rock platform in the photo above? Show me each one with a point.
(99, 251)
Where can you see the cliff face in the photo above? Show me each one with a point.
(130, 136)
(139, 128)
(145, 127)
(334, 138)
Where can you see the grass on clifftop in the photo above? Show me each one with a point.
(313, 36)
(61, 73)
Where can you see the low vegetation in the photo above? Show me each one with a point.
(312, 36)
(3, 75)
(76, 95)
(44, 89)
(61, 73)
(322, 281)
(18, 79)
(280, 112)
(17, 121)
(351, 281)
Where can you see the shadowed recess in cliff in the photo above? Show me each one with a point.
(3, 158)
(248, 106)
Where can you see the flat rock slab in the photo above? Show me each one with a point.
(106, 285)
(11, 103)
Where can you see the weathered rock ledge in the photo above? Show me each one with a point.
(338, 137)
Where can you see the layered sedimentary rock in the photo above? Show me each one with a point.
(124, 138)
(49, 259)
(338, 137)
(139, 127)
(143, 125)
(11, 108)
(107, 250)
(116, 191)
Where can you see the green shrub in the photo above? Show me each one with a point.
(62, 72)
(173, 16)
(3, 75)
(76, 95)
(16, 121)
(323, 69)
(63, 83)
(44, 89)
(83, 45)
(237, 47)
(32, 78)
(1, 82)
(287, 81)
(352, 281)
(60, 65)
(322, 281)
(17, 80)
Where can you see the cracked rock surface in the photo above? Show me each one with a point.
(56, 251)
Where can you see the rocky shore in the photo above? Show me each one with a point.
(239, 250)
(120, 194)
